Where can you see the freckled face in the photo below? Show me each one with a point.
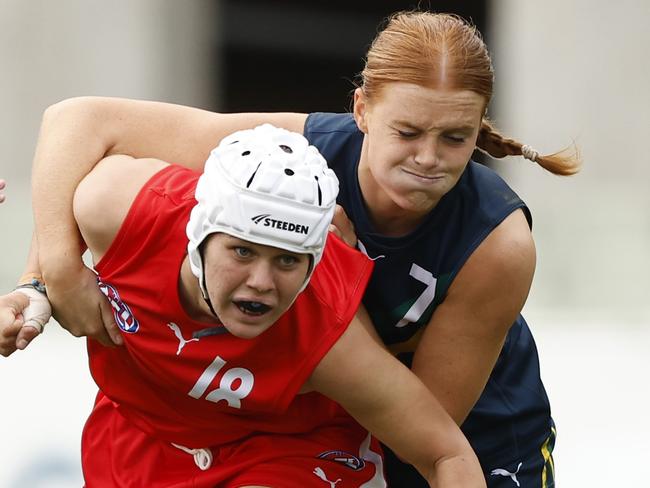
(417, 143)
(251, 285)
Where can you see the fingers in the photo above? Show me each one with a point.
(111, 328)
(342, 226)
(2, 186)
(11, 320)
(335, 230)
(23, 313)
(13, 303)
(82, 309)
(11, 309)
(8, 334)
(102, 337)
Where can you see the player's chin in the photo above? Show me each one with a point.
(247, 331)
(246, 326)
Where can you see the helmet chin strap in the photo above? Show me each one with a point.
(207, 298)
(204, 284)
(217, 329)
(210, 331)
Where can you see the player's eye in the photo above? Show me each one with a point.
(407, 134)
(242, 252)
(288, 260)
(455, 139)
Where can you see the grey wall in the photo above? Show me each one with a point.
(580, 70)
(51, 50)
(154, 49)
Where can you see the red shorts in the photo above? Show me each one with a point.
(117, 454)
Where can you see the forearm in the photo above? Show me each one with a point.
(70, 143)
(426, 437)
(388, 400)
(32, 268)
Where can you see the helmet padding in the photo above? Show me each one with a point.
(268, 186)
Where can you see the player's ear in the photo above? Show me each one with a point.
(360, 110)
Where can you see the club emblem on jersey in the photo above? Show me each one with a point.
(121, 311)
(349, 460)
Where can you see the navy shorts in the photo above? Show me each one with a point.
(535, 470)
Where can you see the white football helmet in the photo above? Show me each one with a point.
(268, 186)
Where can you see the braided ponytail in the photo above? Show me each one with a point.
(490, 141)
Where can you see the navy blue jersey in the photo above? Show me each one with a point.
(413, 273)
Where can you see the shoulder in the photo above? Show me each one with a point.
(103, 198)
(319, 122)
(491, 194)
(510, 242)
(336, 136)
(501, 268)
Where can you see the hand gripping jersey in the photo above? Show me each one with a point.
(174, 379)
(411, 277)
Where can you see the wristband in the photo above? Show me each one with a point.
(34, 284)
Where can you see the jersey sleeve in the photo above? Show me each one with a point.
(341, 278)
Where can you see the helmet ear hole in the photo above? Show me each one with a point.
(288, 172)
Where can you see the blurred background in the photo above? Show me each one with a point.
(570, 70)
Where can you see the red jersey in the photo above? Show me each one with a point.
(196, 390)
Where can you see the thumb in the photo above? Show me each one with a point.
(26, 335)
(335, 230)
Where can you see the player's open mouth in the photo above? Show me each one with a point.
(252, 308)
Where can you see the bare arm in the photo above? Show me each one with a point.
(103, 198)
(388, 400)
(75, 135)
(461, 344)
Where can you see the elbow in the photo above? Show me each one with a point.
(70, 108)
(81, 124)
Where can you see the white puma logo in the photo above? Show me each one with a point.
(503, 472)
(179, 336)
(321, 474)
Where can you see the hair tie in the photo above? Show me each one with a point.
(529, 153)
